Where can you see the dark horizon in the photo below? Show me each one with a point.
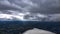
(22, 26)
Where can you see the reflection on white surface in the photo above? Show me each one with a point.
(38, 31)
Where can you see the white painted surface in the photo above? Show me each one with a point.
(38, 31)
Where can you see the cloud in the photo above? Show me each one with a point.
(47, 6)
(13, 8)
(29, 2)
(41, 7)
(19, 5)
(25, 16)
(37, 6)
(54, 17)
(6, 5)
(37, 31)
(11, 15)
(35, 17)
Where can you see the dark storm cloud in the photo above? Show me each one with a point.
(6, 5)
(42, 7)
(47, 6)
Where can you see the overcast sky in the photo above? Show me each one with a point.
(38, 6)
(30, 8)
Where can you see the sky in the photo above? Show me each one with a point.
(32, 9)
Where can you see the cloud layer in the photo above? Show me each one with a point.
(41, 10)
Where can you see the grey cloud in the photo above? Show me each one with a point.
(47, 6)
(6, 5)
(43, 7)
(54, 17)
(23, 5)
